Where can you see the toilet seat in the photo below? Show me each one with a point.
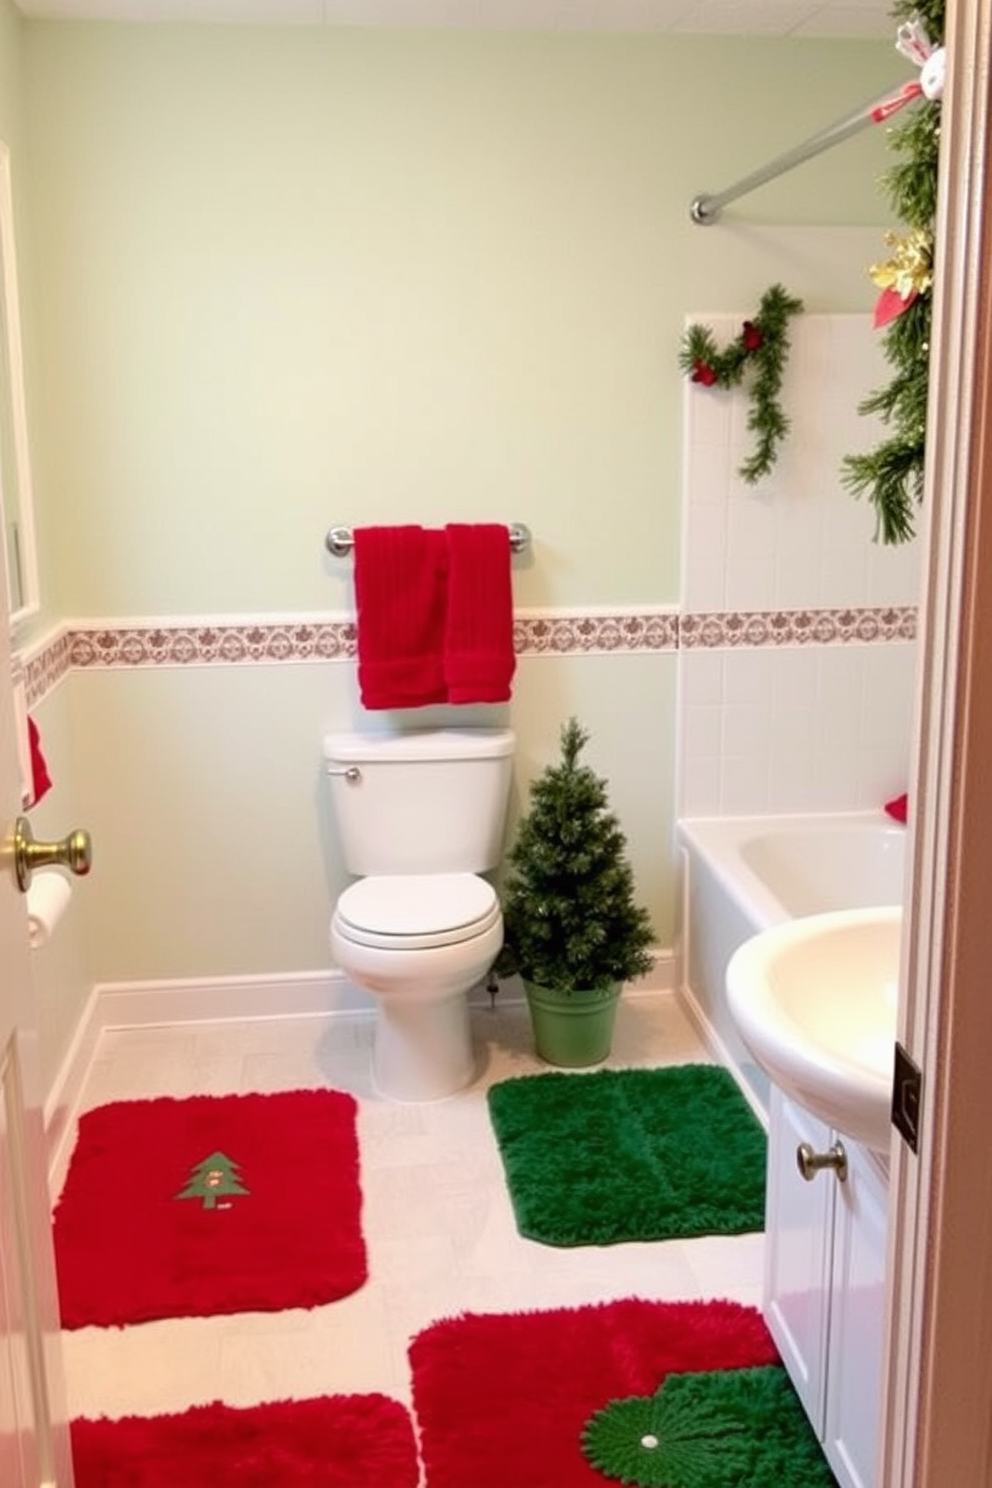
(416, 911)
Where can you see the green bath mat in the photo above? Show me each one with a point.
(719, 1429)
(618, 1155)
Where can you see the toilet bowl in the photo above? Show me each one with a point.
(421, 816)
(418, 943)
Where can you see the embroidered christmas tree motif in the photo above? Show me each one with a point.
(215, 1177)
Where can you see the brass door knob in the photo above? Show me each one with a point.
(74, 852)
(812, 1162)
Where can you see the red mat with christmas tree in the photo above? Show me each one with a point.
(340, 1441)
(215, 1204)
(503, 1398)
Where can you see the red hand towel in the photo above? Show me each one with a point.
(41, 781)
(478, 654)
(401, 597)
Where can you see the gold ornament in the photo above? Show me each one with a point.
(910, 269)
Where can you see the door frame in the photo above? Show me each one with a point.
(937, 1421)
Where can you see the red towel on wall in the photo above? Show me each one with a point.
(898, 808)
(478, 649)
(41, 781)
(401, 600)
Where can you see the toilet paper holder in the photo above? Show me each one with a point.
(74, 852)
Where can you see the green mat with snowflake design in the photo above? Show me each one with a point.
(725, 1428)
(635, 1154)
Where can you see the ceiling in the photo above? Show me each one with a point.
(805, 18)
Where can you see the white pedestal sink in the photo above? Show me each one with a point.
(814, 999)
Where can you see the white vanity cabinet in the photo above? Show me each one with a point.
(824, 1290)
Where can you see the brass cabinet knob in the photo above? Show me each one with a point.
(812, 1162)
(74, 852)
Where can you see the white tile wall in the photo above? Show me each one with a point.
(801, 727)
(797, 539)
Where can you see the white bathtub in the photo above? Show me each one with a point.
(742, 874)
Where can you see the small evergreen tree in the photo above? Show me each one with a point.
(570, 918)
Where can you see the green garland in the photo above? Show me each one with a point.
(891, 475)
(763, 343)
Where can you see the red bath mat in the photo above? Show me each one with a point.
(340, 1441)
(216, 1204)
(504, 1398)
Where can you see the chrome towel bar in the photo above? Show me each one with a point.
(340, 540)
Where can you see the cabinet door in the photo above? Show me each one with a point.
(798, 1226)
(857, 1324)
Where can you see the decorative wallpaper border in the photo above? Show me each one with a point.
(45, 667)
(209, 645)
(590, 633)
(722, 631)
(585, 633)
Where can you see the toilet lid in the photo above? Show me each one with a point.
(414, 911)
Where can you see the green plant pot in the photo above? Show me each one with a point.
(572, 1029)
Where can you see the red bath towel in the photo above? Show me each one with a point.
(401, 600)
(478, 653)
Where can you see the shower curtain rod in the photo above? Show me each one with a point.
(706, 208)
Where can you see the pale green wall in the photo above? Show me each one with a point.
(10, 75)
(292, 278)
(204, 793)
(285, 279)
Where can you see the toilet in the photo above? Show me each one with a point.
(420, 816)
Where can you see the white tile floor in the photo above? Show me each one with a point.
(438, 1224)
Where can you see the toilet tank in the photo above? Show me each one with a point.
(431, 801)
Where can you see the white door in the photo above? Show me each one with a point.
(34, 1438)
